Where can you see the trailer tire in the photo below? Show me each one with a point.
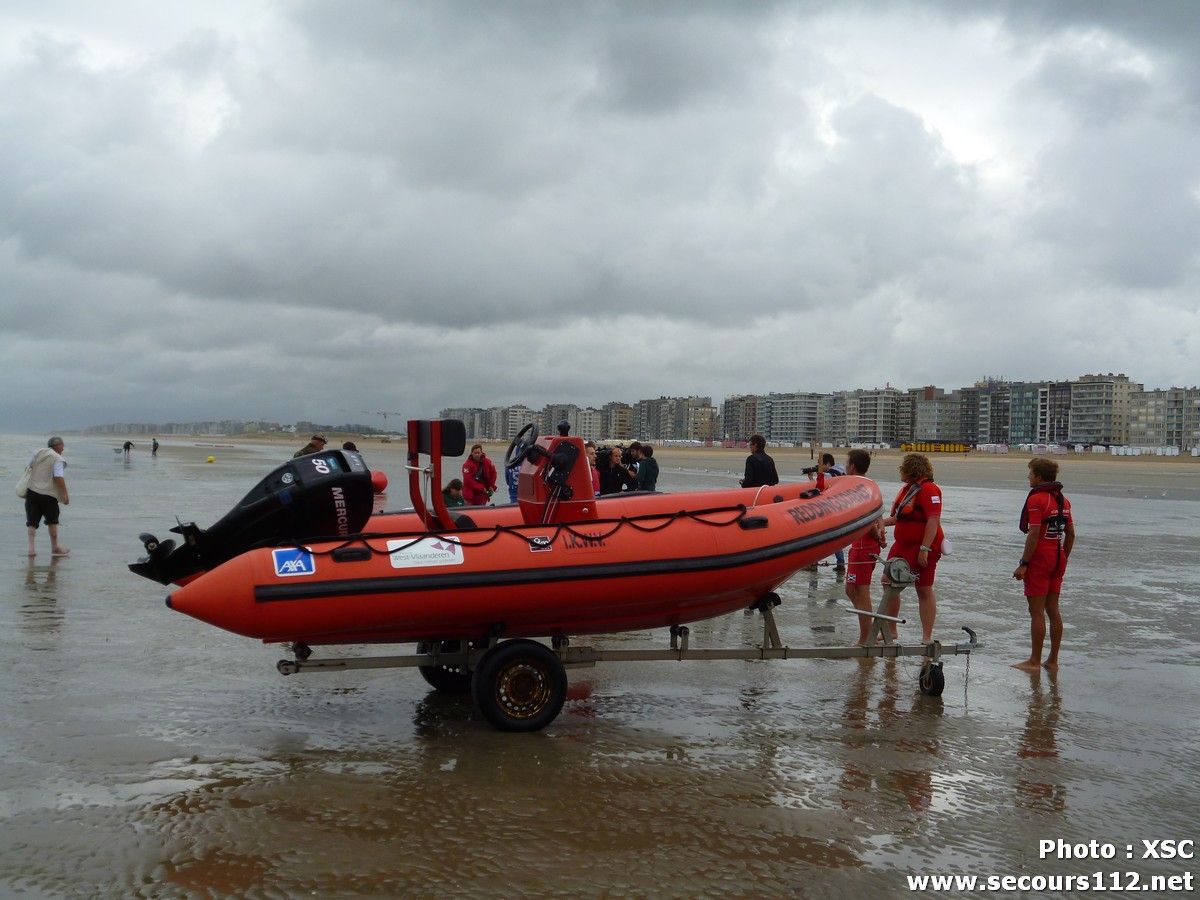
(520, 685)
(932, 679)
(450, 679)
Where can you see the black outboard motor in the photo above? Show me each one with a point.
(326, 494)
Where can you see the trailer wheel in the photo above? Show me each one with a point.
(520, 685)
(932, 679)
(452, 679)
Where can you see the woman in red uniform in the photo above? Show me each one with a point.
(917, 515)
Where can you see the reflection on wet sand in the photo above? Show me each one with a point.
(1039, 742)
(41, 614)
(889, 751)
(476, 812)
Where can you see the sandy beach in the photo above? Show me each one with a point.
(149, 755)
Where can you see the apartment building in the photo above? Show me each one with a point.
(674, 418)
(871, 415)
(618, 421)
(790, 418)
(1100, 406)
(1165, 418)
(739, 417)
(476, 421)
(553, 413)
(937, 416)
(588, 423)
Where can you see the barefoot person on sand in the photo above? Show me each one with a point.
(1050, 535)
(860, 567)
(47, 489)
(917, 515)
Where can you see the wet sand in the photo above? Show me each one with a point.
(146, 754)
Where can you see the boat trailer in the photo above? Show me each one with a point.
(520, 684)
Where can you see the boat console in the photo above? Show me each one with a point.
(555, 482)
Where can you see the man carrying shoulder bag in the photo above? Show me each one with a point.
(45, 489)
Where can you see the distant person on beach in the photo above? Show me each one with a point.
(1049, 537)
(154, 447)
(479, 477)
(861, 565)
(760, 468)
(127, 446)
(917, 515)
(453, 494)
(47, 489)
(647, 467)
(316, 445)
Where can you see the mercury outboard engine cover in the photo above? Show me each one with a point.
(326, 494)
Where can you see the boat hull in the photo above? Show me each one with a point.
(650, 561)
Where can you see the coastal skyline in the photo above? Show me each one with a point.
(288, 212)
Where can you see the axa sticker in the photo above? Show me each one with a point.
(425, 552)
(539, 543)
(291, 561)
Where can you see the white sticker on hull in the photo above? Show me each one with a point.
(425, 552)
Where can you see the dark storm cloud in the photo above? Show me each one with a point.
(433, 204)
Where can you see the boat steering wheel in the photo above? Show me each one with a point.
(521, 445)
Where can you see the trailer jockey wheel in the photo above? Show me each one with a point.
(520, 685)
(520, 446)
(932, 679)
(453, 679)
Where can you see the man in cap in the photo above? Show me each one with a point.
(316, 445)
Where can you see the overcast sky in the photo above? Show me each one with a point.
(308, 210)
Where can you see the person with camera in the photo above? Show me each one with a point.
(760, 468)
(615, 476)
(479, 477)
(1049, 537)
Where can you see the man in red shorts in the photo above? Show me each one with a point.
(1049, 537)
(860, 566)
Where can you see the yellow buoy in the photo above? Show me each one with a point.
(211, 459)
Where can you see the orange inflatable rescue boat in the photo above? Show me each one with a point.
(302, 561)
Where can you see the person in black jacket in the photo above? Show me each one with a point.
(614, 476)
(760, 468)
